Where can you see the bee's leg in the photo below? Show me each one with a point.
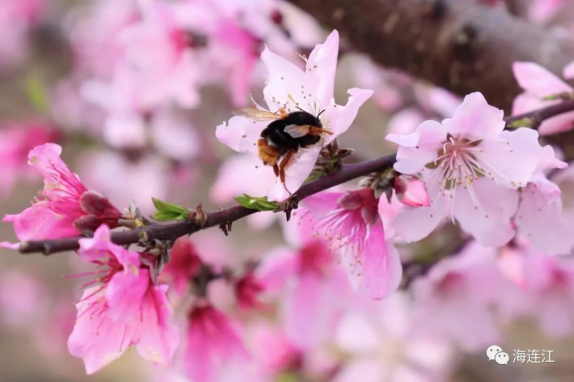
(283, 164)
(314, 130)
(276, 169)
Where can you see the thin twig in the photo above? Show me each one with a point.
(171, 231)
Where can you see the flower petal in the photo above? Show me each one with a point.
(539, 218)
(489, 222)
(475, 119)
(240, 134)
(286, 85)
(416, 223)
(341, 117)
(295, 174)
(381, 266)
(158, 338)
(40, 222)
(420, 148)
(537, 80)
(512, 159)
(96, 338)
(321, 67)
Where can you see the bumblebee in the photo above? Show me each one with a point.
(285, 135)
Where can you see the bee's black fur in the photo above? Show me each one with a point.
(276, 136)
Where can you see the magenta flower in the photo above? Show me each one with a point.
(125, 309)
(538, 84)
(213, 342)
(65, 207)
(352, 223)
(472, 168)
(183, 264)
(290, 88)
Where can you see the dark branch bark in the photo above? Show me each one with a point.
(455, 44)
(171, 231)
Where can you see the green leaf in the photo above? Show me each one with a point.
(256, 203)
(167, 211)
(36, 93)
(524, 122)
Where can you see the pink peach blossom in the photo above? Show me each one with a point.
(308, 283)
(548, 285)
(125, 309)
(352, 223)
(454, 299)
(65, 206)
(382, 344)
(471, 167)
(183, 264)
(314, 94)
(213, 342)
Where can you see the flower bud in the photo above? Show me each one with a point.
(411, 191)
(351, 201)
(93, 203)
(87, 223)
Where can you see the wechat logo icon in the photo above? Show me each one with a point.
(495, 353)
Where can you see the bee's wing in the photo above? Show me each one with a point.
(297, 131)
(257, 115)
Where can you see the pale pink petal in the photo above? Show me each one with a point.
(295, 175)
(540, 220)
(240, 134)
(537, 80)
(159, 337)
(513, 157)
(475, 119)
(321, 67)
(413, 224)
(285, 84)
(343, 116)
(420, 148)
(489, 222)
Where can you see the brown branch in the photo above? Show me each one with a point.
(455, 44)
(171, 231)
